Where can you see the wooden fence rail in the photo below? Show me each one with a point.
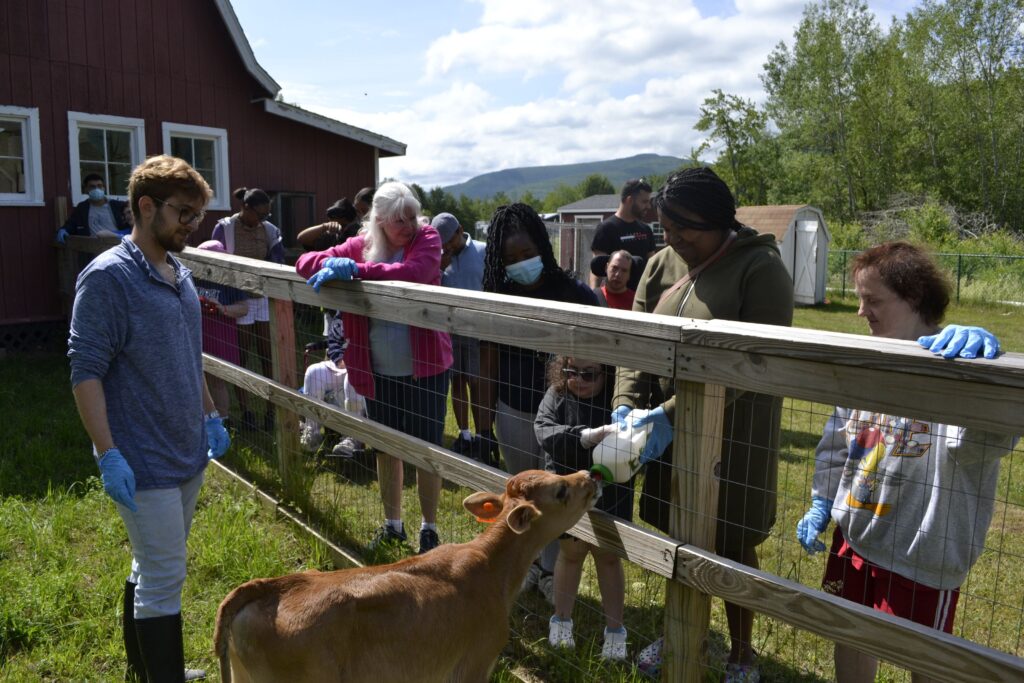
(703, 357)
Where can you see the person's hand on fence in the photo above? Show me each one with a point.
(62, 236)
(335, 268)
(961, 340)
(217, 437)
(118, 478)
(815, 521)
(619, 416)
(660, 436)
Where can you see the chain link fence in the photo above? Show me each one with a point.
(975, 277)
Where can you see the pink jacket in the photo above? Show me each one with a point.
(421, 262)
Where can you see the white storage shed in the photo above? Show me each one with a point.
(803, 238)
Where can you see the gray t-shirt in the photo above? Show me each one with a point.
(101, 218)
(390, 342)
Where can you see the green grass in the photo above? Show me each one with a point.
(64, 554)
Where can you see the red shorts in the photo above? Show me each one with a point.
(850, 576)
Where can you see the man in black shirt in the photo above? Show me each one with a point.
(624, 230)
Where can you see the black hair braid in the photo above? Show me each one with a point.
(701, 191)
(507, 221)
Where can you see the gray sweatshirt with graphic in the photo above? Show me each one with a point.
(913, 497)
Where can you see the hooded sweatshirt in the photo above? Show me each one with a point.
(749, 283)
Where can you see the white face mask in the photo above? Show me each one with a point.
(525, 272)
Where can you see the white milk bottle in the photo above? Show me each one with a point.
(617, 457)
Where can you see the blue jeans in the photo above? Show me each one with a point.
(158, 532)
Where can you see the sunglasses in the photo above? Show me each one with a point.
(584, 375)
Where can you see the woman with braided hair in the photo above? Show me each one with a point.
(714, 268)
(520, 261)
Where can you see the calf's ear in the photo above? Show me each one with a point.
(485, 506)
(521, 517)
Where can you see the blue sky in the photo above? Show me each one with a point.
(473, 86)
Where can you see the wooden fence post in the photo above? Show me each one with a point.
(697, 449)
(282, 352)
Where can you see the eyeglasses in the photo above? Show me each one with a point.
(186, 215)
(584, 375)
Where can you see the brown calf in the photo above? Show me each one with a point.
(441, 616)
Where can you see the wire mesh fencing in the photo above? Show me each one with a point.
(929, 514)
(975, 277)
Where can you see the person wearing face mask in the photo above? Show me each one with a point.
(250, 233)
(97, 216)
(519, 260)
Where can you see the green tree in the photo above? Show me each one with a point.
(741, 128)
(811, 88)
(595, 183)
(560, 196)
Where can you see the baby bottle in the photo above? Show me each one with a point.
(617, 457)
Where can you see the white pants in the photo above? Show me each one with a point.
(327, 382)
(158, 532)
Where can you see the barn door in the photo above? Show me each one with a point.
(805, 260)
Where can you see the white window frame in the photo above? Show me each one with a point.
(222, 191)
(30, 147)
(78, 119)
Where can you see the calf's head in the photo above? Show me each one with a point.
(547, 503)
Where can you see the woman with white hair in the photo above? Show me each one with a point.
(401, 370)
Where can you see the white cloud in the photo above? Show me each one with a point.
(628, 78)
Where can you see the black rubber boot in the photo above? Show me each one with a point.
(163, 651)
(136, 671)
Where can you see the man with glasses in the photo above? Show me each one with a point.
(96, 216)
(136, 370)
(625, 230)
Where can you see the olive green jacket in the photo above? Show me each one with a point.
(748, 284)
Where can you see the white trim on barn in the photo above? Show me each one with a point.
(27, 119)
(222, 172)
(227, 13)
(290, 111)
(136, 128)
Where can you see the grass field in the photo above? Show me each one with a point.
(64, 553)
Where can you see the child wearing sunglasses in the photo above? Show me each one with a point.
(572, 420)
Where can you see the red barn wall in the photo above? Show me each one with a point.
(158, 61)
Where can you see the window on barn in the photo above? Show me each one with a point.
(206, 149)
(110, 146)
(21, 176)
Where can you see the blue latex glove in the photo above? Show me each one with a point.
(619, 416)
(961, 340)
(62, 236)
(813, 523)
(660, 436)
(217, 437)
(118, 479)
(335, 268)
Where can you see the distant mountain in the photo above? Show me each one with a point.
(542, 179)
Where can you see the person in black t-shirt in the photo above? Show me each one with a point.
(624, 230)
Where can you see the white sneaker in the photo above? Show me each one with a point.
(310, 438)
(347, 448)
(560, 633)
(614, 647)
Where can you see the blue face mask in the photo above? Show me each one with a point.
(525, 272)
(96, 194)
